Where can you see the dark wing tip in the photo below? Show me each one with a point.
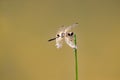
(76, 23)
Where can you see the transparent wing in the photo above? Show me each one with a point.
(59, 42)
(69, 40)
(59, 37)
(70, 27)
(61, 29)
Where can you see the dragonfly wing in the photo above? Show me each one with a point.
(70, 42)
(59, 42)
(70, 27)
(59, 37)
(61, 29)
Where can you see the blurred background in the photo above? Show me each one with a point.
(26, 25)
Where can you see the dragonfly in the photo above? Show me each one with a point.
(66, 34)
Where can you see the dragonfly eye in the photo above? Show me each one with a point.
(71, 33)
(68, 34)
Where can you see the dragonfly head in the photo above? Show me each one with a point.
(70, 34)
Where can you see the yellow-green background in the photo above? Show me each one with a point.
(26, 25)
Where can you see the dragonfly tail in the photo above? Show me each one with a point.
(52, 39)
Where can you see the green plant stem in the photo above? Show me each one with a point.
(76, 62)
